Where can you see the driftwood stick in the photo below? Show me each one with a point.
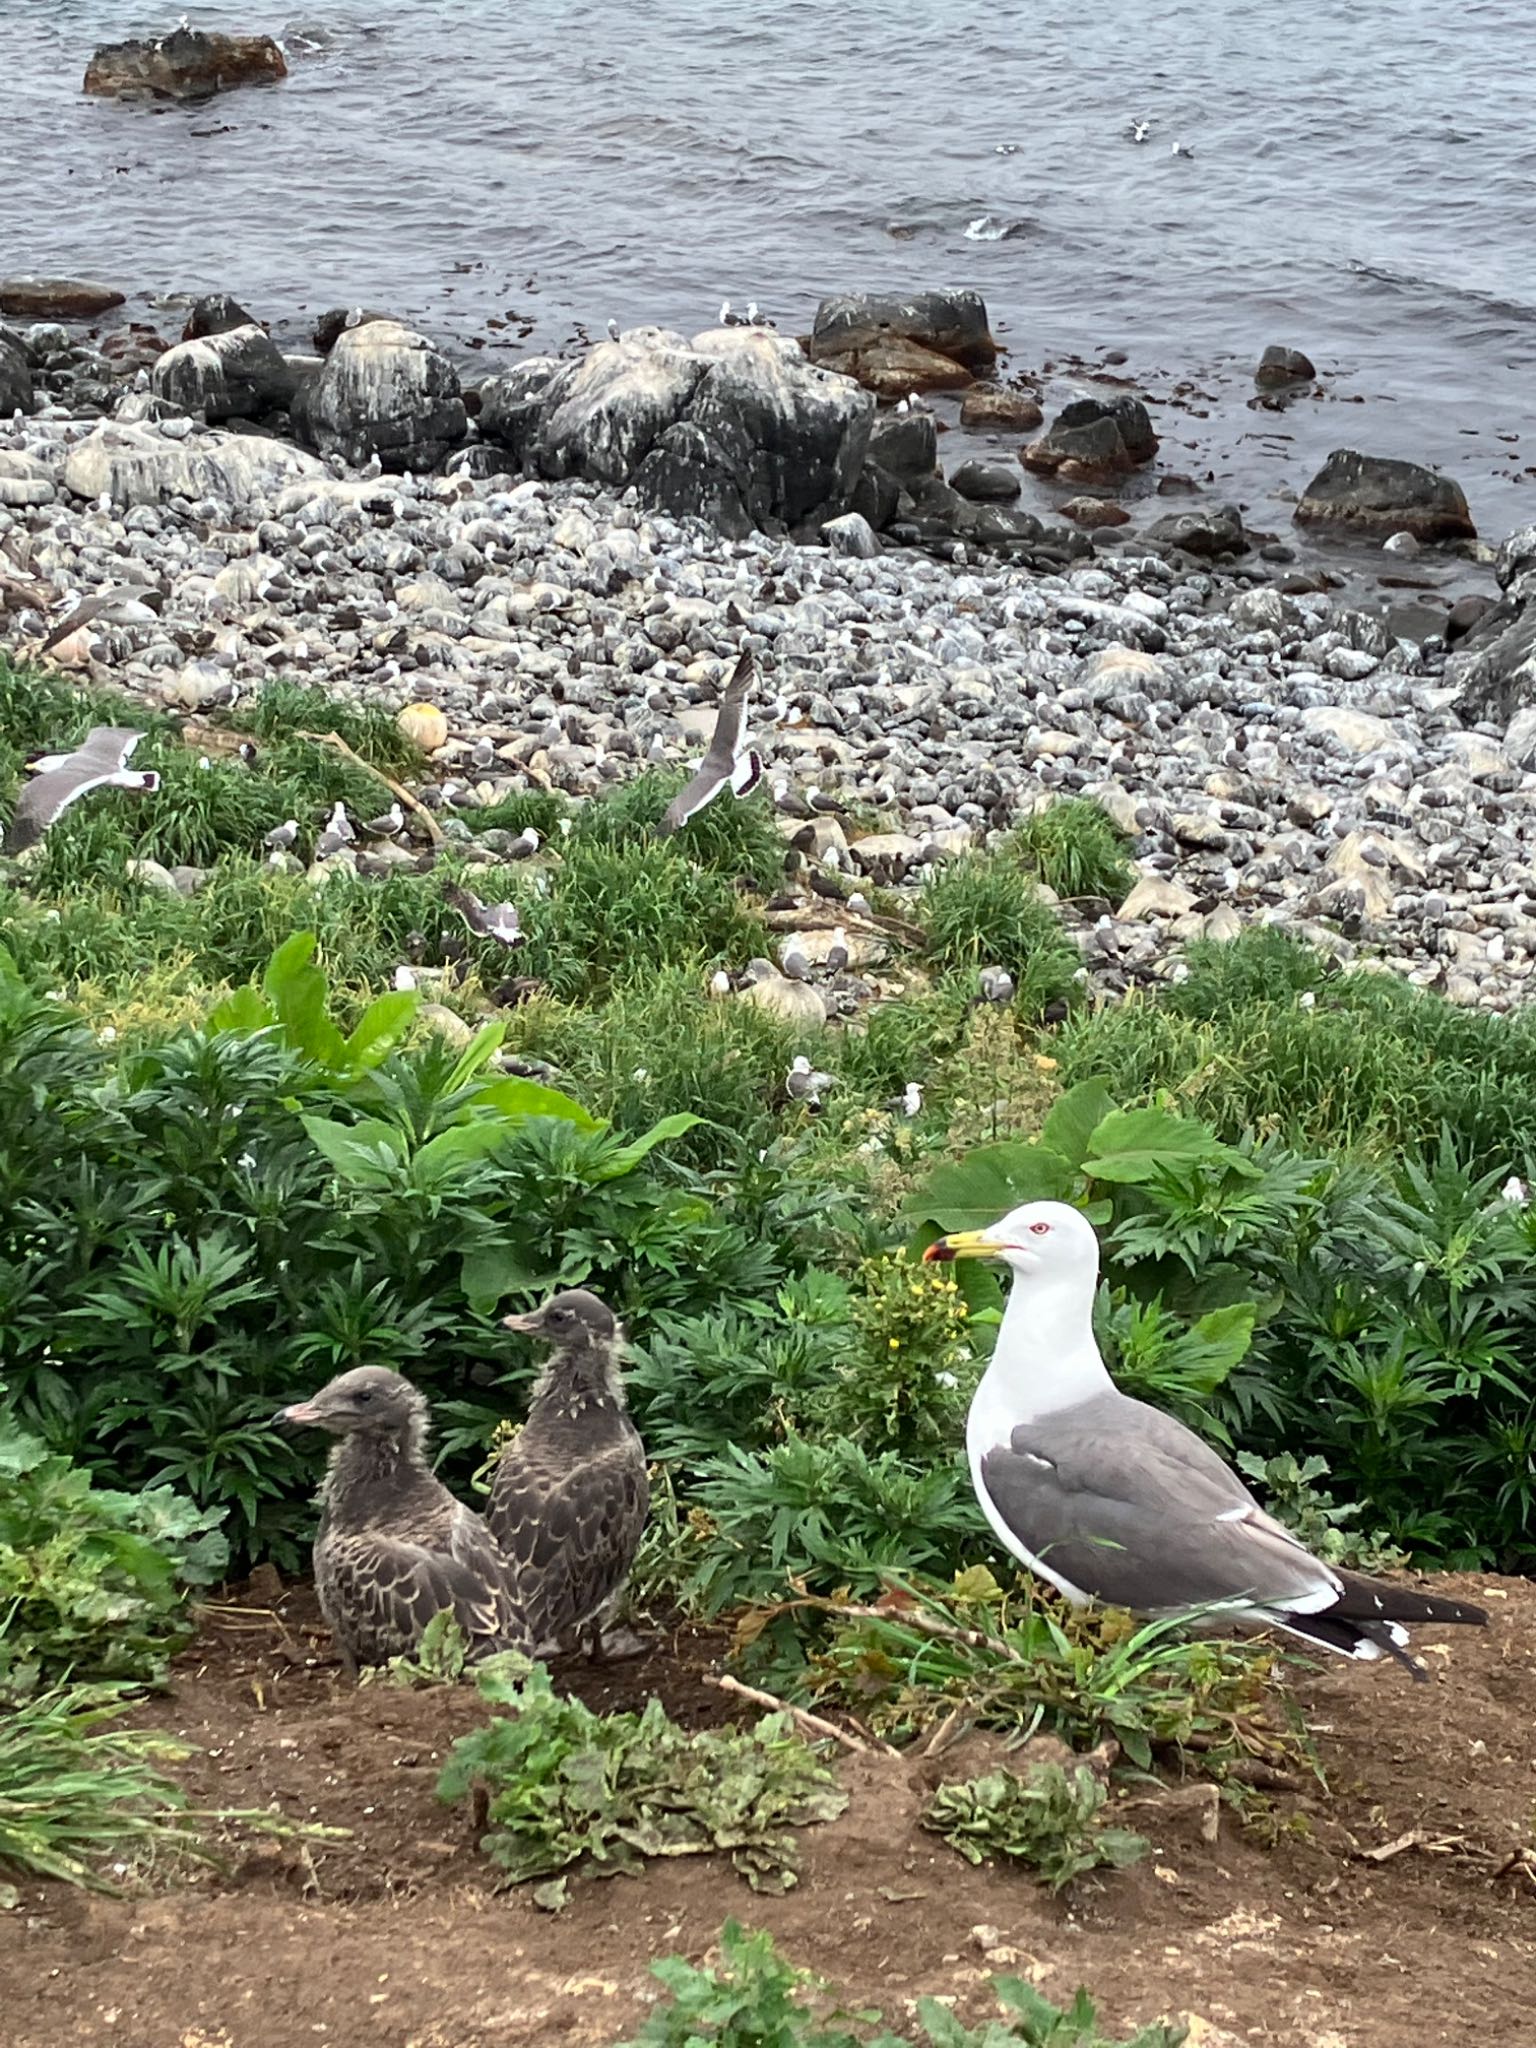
(396, 789)
(812, 1723)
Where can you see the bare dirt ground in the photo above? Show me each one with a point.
(396, 1937)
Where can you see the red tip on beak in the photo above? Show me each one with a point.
(938, 1253)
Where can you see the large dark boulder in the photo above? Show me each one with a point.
(906, 444)
(15, 374)
(928, 341)
(216, 313)
(735, 427)
(1494, 666)
(186, 65)
(1093, 439)
(1374, 495)
(385, 391)
(238, 374)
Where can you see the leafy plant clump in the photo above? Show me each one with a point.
(1073, 847)
(905, 1389)
(561, 1785)
(755, 1998)
(983, 910)
(81, 1800)
(1047, 1819)
(92, 1583)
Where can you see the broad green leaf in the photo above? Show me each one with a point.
(517, 1098)
(442, 1157)
(297, 991)
(381, 1027)
(244, 1010)
(1220, 1339)
(1132, 1146)
(486, 1041)
(1073, 1119)
(628, 1157)
(491, 1272)
(970, 1193)
(368, 1154)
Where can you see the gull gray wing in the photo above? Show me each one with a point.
(719, 761)
(386, 1589)
(1132, 1509)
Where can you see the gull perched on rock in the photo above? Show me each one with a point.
(728, 762)
(281, 837)
(99, 762)
(498, 921)
(120, 604)
(837, 952)
(570, 1493)
(1111, 1500)
(525, 845)
(794, 959)
(387, 825)
(394, 1547)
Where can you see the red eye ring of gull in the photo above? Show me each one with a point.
(1039, 1230)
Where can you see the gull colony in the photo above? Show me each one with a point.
(1105, 1498)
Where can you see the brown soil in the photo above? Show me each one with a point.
(395, 1938)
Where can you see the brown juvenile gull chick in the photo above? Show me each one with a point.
(394, 1548)
(570, 1494)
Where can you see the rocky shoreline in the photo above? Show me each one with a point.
(1272, 755)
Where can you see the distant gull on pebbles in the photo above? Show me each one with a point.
(570, 1493)
(497, 921)
(728, 762)
(1113, 1501)
(394, 1547)
(99, 762)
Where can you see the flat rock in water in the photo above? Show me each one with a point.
(946, 324)
(186, 65)
(56, 298)
(1375, 494)
(989, 405)
(1213, 530)
(1094, 438)
(1281, 366)
(1090, 513)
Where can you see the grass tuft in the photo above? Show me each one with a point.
(1073, 847)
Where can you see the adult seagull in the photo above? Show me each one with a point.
(1111, 1500)
(99, 762)
(727, 763)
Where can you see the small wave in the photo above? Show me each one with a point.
(995, 227)
(1409, 284)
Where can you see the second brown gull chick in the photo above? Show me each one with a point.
(570, 1493)
(394, 1547)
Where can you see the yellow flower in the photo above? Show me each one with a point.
(895, 1343)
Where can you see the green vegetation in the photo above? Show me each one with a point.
(1048, 1819)
(89, 1579)
(754, 1998)
(985, 911)
(562, 1786)
(1074, 849)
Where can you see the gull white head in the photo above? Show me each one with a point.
(1048, 1243)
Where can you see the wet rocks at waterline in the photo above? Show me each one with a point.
(188, 64)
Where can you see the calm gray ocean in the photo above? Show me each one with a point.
(1362, 185)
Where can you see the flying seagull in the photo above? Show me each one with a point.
(726, 764)
(1113, 1501)
(570, 1493)
(394, 1547)
(99, 762)
(120, 604)
(497, 921)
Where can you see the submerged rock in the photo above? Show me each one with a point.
(1374, 494)
(186, 65)
(1213, 530)
(1280, 366)
(989, 405)
(385, 392)
(56, 298)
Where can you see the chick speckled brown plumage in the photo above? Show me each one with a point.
(394, 1547)
(570, 1492)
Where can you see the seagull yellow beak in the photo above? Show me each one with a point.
(963, 1244)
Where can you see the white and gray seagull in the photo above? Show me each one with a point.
(1111, 1500)
(728, 762)
(120, 604)
(498, 921)
(99, 762)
